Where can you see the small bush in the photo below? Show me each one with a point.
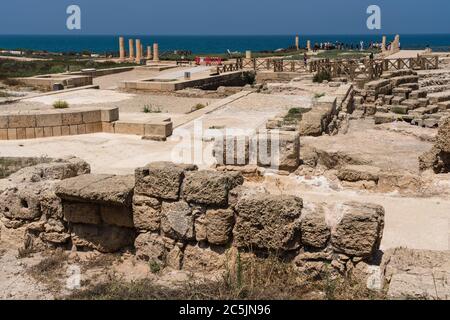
(319, 95)
(249, 77)
(293, 116)
(321, 76)
(198, 106)
(60, 104)
(151, 109)
(154, 265)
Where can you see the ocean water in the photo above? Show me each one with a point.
(207, 44)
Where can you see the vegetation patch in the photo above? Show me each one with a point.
(60, 104)
(322, 76)
(249, 279)
(57, 64)
(148, 108)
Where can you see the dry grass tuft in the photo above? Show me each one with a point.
(252, 279)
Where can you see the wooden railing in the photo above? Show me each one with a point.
(229, 67)
(351, 68)
(419, 63)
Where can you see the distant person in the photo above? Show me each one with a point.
(371, 56)
(305, 59)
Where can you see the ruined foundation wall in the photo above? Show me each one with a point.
(176, 216)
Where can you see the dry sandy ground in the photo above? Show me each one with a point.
(120, 154)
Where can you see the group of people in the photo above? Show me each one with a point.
(347, 46)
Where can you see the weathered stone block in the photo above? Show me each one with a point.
(153, 247)
(117, 215)
(279, 150)
(92, 116)
(3, 121)
(268, 222)
(3, 134)
(161, 179)
(219, 224)
(57, 131)
(81, 128)
(146, 212)
(98, 188)
(30, 133)
(94, 127)
(21, 133)
(136, 128)
(48, 132)
(206, 259)
(210, 187)
(163, 129)
(12, 134)
(72, 118)
(359, 231)
(81, 212)
(39, 132)
(21, 121)
(314, 229)
(102, 237)
(177, 220)
(49, 119)
(109, 114)
(354, 173)
(232, 150)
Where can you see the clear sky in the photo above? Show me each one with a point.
(224, 17)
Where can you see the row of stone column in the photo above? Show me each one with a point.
(395, 45)
(137, 55)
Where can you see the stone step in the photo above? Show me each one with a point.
(437, 97)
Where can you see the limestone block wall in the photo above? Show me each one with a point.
(176, 216)
(53, 123)
(28, 202)
(193, 220)
(46, 82)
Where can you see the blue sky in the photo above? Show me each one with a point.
(224, 17)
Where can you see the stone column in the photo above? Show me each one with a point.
(149, 52)
(138, 50)
(383, 44)
(308, 45)
(297, 42)
(395, 47)
(131, 45)
(122, 48)
(248, 54)
(155, 52)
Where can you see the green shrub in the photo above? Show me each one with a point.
(60, 104)
(249, 77)
(319, 95)
(155, 267)
(198, 106)
(321, 76)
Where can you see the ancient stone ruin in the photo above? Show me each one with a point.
(182, 217)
